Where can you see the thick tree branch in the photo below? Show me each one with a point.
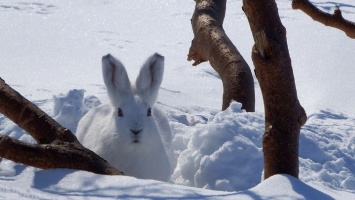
(334, 20)
(29, 117)
(212, 44)
(284, 115)
(57, 147)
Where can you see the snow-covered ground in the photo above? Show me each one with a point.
(50, 47)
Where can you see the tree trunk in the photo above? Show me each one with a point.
(57, 147)
(335, 20)
(284, 115)
(211, 43)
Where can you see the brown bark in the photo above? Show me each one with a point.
(284, 115)
(57, 147)
(211, 43)
(334, 20)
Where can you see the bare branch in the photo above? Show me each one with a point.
(284, 115)
(57, 147)
(334, 20)
(212, 44)
(30, 118)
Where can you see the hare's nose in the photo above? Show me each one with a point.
(136, 132)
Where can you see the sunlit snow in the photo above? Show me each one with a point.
(51, 53)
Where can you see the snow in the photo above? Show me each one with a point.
(228, 139)
(54, 48)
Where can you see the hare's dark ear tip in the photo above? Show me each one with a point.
(106, 57)
(158, 56)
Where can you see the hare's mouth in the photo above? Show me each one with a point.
(135, 141)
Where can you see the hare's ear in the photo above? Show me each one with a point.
(150, 77)
(116, 79)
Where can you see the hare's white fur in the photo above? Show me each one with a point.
(135, 143)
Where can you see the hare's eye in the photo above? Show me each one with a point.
(119, 112)
(149, 112)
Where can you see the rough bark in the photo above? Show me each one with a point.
(284, 115)
(334, 20)
(212, 44)
(57, 147)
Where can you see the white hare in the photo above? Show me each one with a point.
(131, 133)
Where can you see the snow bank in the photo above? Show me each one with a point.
(327, 150)
(70, 184)
(223, 150)
(69, 108)
(224, 153)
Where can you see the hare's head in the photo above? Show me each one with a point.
(133, 105)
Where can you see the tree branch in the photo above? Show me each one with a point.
(57, 147)
(284, 115)
(212, 44)
(29, 117)
(334, 20)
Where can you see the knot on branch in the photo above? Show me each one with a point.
(262, 44)
(302, 116)
(337, 12)
(195, 55)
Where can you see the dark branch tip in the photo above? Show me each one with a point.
(337, 11)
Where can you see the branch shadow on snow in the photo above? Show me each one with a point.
(44, 179)
(59, 182)
(330, 5)
(327, 114)
(307, 191)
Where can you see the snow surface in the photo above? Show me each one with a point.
(54, 48)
